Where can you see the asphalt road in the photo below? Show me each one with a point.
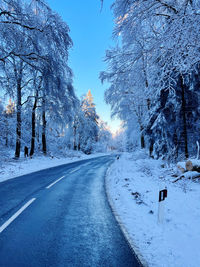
(61, 217)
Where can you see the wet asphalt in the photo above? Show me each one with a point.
(69, 224)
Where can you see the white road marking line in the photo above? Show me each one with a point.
(9, 221)
(49, 186)
(75, 170)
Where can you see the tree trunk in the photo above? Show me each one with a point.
(176, 144)
(44, 123)
(19, 120)
(6, 122)
(75, 145)
(142, 142)
(38, 137)
(33, 127)
(184, 118)
(151, 148)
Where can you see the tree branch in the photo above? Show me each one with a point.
(22, 25)
(27, 83)
(168, 6)
(29, 97)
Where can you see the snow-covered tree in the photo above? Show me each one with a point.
(34, 67)
(104, 143)
(153, 70)
(86, 127)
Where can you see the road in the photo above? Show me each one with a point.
(61, 217)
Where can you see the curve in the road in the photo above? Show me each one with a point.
(68, 224)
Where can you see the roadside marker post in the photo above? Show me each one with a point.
(161, 205)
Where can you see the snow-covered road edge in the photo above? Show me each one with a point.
(124, 230)
(133, 185)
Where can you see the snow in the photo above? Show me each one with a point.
(11, 168)
(133, 183)
(181, 164)
(189, 175)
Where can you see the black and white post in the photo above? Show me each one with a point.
(161, 205)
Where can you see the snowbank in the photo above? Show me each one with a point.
(133, 183)
(11, 168)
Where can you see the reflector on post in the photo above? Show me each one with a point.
(162, 196)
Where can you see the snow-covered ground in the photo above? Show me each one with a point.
(133, 183)
(11, 168)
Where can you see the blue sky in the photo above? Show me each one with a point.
(91, 32)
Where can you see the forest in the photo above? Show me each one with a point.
(154, 75)
(153, 72)
(39, 109)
